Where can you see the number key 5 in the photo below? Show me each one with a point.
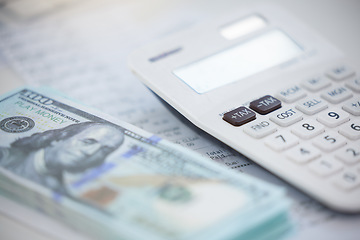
(329, 141)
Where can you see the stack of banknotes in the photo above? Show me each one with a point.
(111, 180)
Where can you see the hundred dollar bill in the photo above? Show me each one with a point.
(111, 180)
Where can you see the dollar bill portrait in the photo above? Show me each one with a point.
(45, 157)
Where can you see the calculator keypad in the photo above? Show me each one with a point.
(314, 124)
(318, 127)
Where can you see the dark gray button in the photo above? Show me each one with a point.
(239, 116)
(265, 104)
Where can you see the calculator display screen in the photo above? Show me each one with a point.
(243, 60)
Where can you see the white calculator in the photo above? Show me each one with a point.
(270, 87)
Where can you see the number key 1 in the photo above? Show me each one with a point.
(325, 167)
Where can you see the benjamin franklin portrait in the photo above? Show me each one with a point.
(45, 157)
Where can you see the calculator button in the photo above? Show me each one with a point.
(281, 141)
(351, 129)
(348, 180)
(325, 166)
(239, 116)
(350, 154)
(337, 94)
(311, 105)
(303, 153)
(329, 141)
(260, 128)
(265, 104)
(333, 117)
(291, 94)
(353, 84)
(353, 107)
(340, 72)
(286, 117)
(315, 83)
(308, 129)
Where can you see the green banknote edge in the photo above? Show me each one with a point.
(277, 194)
